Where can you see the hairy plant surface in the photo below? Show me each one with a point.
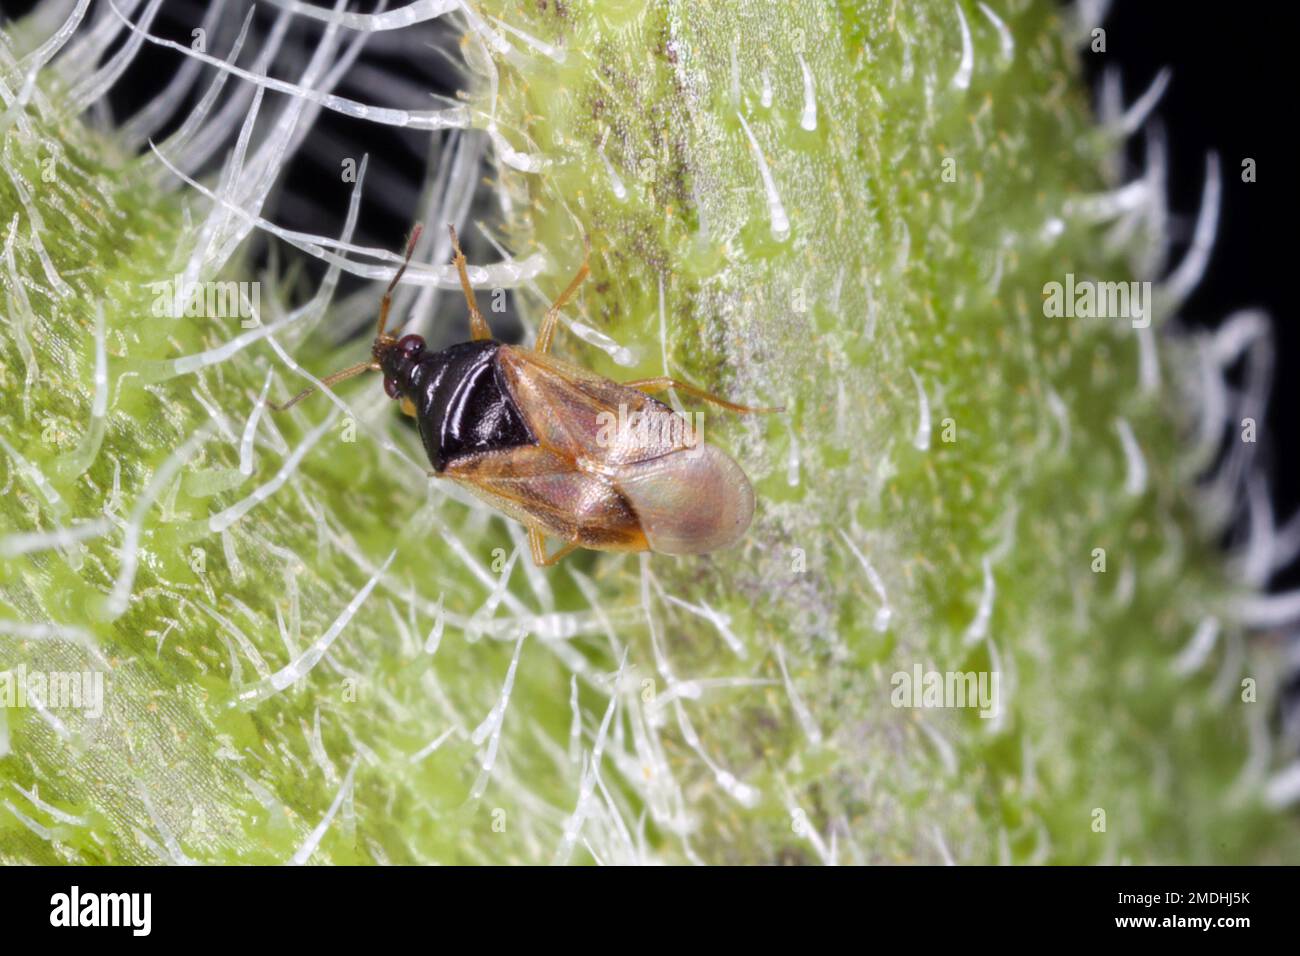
(310, 651)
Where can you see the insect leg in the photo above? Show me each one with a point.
(552, 318)
(478, 327)
(663, 383)
(537, 545)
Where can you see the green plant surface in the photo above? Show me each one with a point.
(949, 462)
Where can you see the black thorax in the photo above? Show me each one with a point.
(462, 402)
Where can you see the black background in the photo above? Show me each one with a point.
(347, 909)
(1233, 91)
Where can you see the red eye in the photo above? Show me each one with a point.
(390, 388)
(411, 344)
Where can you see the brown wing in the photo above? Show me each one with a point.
(542, 489)
(590, 419)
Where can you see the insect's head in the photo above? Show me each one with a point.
(396, 358)
(393, 356)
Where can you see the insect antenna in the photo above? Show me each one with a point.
(387, 301)
(328, 381)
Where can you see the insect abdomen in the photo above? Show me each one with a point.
(463, 405)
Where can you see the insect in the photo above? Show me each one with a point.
(531, 435)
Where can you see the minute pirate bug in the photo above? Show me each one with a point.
(528, 434)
